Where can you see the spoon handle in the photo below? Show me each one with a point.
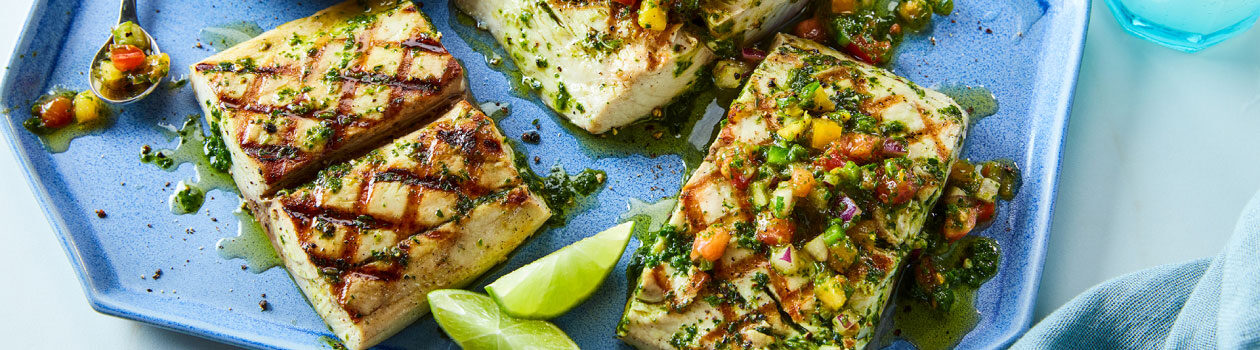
(128, 12)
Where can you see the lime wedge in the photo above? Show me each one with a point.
(559, 281)
(475, 322)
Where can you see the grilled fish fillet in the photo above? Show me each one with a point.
(369, 238)
(590, 61)
(299, 96)
(872, 151)
(745, 21)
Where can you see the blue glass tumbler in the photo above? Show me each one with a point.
(1186, 25)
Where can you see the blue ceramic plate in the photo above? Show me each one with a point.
(1026, 51)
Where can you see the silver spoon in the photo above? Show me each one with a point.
(126, 13)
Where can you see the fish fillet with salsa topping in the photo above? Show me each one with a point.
(792, 230)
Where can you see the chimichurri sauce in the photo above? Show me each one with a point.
(187, 199)
(206, 151)
(250, 244)
(871, 30)
(562, 191)
(978, 101)
(933, 306)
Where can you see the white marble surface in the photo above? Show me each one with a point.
(1161, 153)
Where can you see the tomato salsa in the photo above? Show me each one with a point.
(132, 66)
(870, 30)
(60, 109)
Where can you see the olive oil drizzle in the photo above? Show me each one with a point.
(250, 244)
(190, 150)
(978, 101)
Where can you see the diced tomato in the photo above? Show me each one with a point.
(896, 189)
(830, 159)
(774, 231)
(741, 180)
(734, 164)
(869, 52)
(126, 57)
(802, 181)
(925, 273)
(985, 211)
(960, 223)
(857, 52)
(710, 244)
(811, 29)
(860, 148)
(56, 112)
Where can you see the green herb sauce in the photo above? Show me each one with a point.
(938, 318)
(250, 244)
(978, 101)
(187, 199)
(207, 152)
(224, 36)
(563, 192)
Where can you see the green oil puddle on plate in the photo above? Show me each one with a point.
(190, 150)
(223, 36)
(978, 101)
(929, 329)
(250, 244)
(649, 216)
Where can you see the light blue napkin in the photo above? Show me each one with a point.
(1210, 303)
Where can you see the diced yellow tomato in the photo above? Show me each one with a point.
(652, 16)
(792, 130)
(87, 108)
(822, 102)
(825, 131)
(831, 292)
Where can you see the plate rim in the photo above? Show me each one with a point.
(101, 298)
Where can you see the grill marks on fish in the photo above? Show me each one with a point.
(796, 303)
(277, 154)
(475, 143)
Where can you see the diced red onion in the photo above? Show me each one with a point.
(753, 55)
(787, 255)
(844, 321)
(894, 148)
(850, 208)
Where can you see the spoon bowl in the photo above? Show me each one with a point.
(126, 13)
